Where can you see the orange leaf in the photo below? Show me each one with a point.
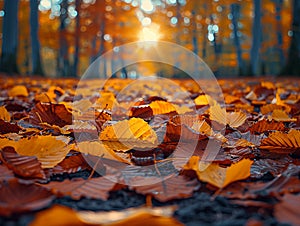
(161, 107)
(18, 90)
(280, 142)
(219, 176)
(281, 116)
(204, 100)
(128, 134)
(264, 125)
(4, 115)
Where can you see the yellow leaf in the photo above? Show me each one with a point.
(4, 114)
(18, 90)
(281, 116)
(233, 119)
(161, 107)
(98, 149)
(128, 134)
(204, 100)
(202, 127)
(49, 150)
(218, 176)
(106, 100)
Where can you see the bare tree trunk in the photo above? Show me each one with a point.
(10, 37)
(35, 43)
(256, 40)
(77, 39)
(278, 7)
(292, 67)
(235, 11)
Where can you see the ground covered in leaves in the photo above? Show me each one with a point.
(118, 152)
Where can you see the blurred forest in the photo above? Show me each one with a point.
(60, 38)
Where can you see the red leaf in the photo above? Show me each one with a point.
(17, 197)
(24, 166)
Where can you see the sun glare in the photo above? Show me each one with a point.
(149, 34)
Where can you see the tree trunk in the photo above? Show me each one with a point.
(256, 39)
(278, 7)
(77, 39)
(37, 68)
(235, 11)
(63, 62)
(293, 66)
(10, 37)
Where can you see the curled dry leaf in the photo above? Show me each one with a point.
(282, 143)
(128, 134)
(287, 210)
(175, 187)
(233, 119)
(17, 197)
(24, 166)
(53, 114)
(219, 176)
(4, 114)
(49, 150)
(7, 127)
(18, 90)
(95, 188)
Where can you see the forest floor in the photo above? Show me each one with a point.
(140, 152)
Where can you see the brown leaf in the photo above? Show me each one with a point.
(24, 166)
(175, 187)
(282, 143)
(95, 188)
(5, 173)
(287, 210)
(264, 126)
(7, 127)
(17, 197)
(281, 116)
(53, 114)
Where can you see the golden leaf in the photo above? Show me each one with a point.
(98, 149)
(281, 116)
(18, 90)
(4, 114)
(49, 150)
(161, 107)
(128, 134)
(282, 142)
(218, 176)
(233, 119)
(204, 100)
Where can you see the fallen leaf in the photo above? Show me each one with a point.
(24, 166)
(4, 114)
(161, 107)
(264, 126)
(219, 176)
(175, 187)
(204, 100)
(7, 127)
(281, 116)
(128, 134)
(94, 188)
(18, 90)
(18, 197)
(5, 173)
(287, 210)
(283, 143)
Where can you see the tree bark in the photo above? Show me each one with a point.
(235, 11)
(256, 40)
(37, 68)
(77, 39)
(10, 37)
(292, 66)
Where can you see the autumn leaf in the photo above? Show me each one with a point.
(265, 125)
(204, 100)
(281, 116)
(280, 142)
(4, 114)
(233, 119)
(219, 176)
(161, 107)
(49, 150)
(128, 134)
(18, 90)
(95, 188)
(99, 149)
(17, 197)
